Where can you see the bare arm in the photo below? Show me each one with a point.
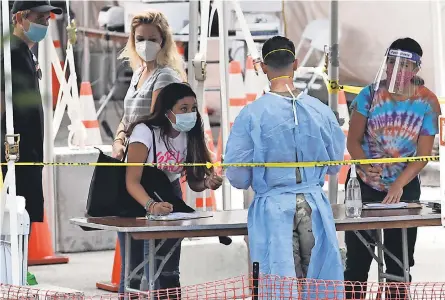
(120, 133)
(119, 141)
(137, 153)
(355, 136)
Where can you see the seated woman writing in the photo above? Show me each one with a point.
(172, 134)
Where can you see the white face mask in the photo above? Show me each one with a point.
(184, 122)
(147, 50)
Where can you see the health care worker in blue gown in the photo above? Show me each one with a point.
(290, 222)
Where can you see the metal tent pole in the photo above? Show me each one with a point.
(48, 137)
(11, 143)
(333, 79)
(86, 44)
(192, 50)
(193, 41)
(223, 15)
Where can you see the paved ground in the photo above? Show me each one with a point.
(85, 269)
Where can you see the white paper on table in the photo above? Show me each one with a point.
(181, 216)
(388, 206)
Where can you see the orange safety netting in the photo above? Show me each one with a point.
(245, 287)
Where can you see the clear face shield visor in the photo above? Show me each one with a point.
(398, 71)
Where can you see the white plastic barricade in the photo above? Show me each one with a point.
(5, 241)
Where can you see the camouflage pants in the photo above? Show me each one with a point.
(303, 239)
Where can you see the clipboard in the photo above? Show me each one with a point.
(408, 206)
(176, 216)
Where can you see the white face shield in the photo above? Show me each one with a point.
(398, 71)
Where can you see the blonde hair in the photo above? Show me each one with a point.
(168, 56)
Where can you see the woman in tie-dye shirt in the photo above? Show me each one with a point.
(384, 125)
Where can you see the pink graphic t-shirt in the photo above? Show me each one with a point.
(177, 154)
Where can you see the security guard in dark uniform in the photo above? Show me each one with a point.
(30, 25)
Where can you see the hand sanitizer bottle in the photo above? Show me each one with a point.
(353, 199)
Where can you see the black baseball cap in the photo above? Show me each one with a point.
(37, 6)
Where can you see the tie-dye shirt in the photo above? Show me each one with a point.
(393, 128)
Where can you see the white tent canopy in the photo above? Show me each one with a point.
(368, 28)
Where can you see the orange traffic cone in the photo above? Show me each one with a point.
(40, 250)
(89, 115)
(113, 286)
(180, 47)
(205, 201)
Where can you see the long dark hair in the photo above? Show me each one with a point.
(197, 151)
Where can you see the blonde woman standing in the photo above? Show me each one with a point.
(154, 58)
(155, 61)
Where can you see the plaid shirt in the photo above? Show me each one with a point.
(137, 102)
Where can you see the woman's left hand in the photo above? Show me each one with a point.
(213, 181)
(394, 194)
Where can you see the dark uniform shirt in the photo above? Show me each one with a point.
(28, 122)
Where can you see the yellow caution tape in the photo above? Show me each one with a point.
(351, 89)
(333, 86)
(209, 165)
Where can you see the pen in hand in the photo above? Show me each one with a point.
(159, 197)
(165, 205)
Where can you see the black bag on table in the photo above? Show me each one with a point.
(108, 195)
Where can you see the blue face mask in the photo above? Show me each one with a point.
(184, 122)
(36, 32)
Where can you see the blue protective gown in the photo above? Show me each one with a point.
(278, 129)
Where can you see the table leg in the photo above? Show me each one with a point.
(405, 254)
(151, 267)
(380, 254)
(127, 262)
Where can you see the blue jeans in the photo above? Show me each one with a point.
(169, 277)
